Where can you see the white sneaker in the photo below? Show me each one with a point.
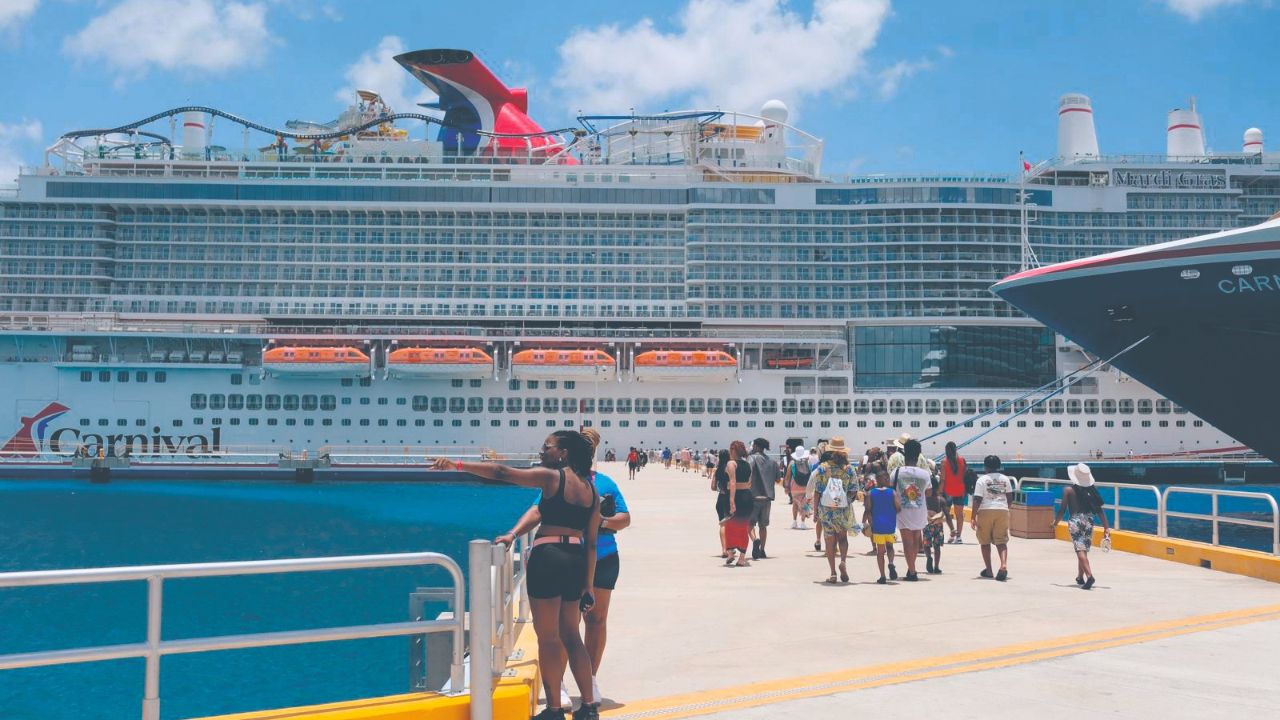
(565, 701)
(795, 525)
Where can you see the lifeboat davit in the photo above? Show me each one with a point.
(685, 365)
(563, 365)
(316, 362)
(440, 362)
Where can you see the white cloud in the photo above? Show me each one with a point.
(1193, 10)
(309, 9)
(728, 53)
(378, 71)
(891, 78)
(15, 140)
(15, 12)
(211, 36)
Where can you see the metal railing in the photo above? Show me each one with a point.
(1116, 507)
(1162, 512)
(498, 593)
(1215, 517)
(155, 648)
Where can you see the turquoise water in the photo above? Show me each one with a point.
(53, 524)
(1241, 536)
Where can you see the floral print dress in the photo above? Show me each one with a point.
(835, 519)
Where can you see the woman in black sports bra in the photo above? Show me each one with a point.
(562, 564)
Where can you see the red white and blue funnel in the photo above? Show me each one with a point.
(475, 102)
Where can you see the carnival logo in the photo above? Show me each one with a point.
(35, 438)
(23, 444)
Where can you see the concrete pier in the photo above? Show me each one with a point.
(689, 637)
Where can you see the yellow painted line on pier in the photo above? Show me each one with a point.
(776, 691)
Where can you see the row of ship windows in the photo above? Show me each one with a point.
(30, 296)
(360, 241)
(392, 218)
(423, 403)
(570, 423)
(948, 216)
(124, 376)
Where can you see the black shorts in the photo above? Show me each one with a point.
(557, 570)
(607, 572)
(722, 505)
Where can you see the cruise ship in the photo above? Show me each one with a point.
(1201, 315)
(460, 276)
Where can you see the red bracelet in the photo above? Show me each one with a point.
(458, 465)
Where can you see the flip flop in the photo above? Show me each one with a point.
(832, 580)
(844, 574)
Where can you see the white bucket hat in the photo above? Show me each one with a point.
(800, 453)
(1080, 474)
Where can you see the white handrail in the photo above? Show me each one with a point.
(1215, 517)
(498, 603)
(1116, 507)
(154, 647)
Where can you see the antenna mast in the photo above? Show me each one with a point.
(1029, 259)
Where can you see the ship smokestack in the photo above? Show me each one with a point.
(1253, 141)
(1186, 134)
(195, 134)
(1076, 135)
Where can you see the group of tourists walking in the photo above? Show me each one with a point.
(574, 564)
(902, 493)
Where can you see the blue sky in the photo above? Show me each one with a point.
(891, 87)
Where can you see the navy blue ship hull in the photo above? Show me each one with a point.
(1212, 312)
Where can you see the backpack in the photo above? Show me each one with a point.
(833, 495)
(800, 472)
(970, 480)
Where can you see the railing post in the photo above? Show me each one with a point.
(1162, 523)
(151, 689)
(522, 588)
(1214, 499)
(479, 558)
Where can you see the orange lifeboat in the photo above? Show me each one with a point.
(689, 365)
(442, 362)
(789, 363)
(563, 365)
(292, 360)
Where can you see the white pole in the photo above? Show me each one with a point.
(151, 691)
(479, 556)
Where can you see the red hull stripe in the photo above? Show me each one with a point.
(1148, 257)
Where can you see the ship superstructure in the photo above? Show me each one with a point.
(674, 279)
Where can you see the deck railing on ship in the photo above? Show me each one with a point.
(496, 576)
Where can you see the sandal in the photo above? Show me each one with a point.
(817, 547)
(844, 574)
(832, 580)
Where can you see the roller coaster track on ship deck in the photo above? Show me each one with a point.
(173, 112)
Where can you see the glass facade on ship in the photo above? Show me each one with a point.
(896, 268)
(324, 249)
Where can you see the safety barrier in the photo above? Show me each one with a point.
(1117, 506)
(498, 593)
(154, 648)
(1162, 512)
(1215, 516)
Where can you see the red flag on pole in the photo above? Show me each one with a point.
(1026, 166)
